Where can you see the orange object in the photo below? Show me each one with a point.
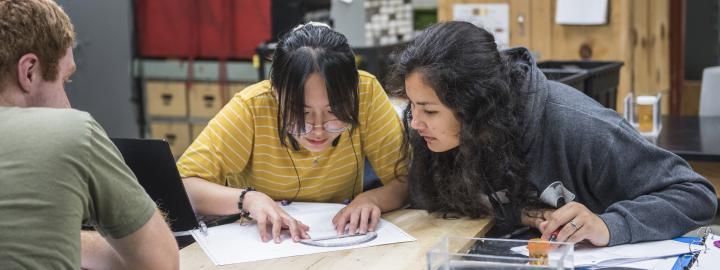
(538, 250)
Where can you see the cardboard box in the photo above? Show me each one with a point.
(166, 99)
(205, 100)
(233, 89)
(177, 134)
(196, 129)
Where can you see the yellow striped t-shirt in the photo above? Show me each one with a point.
(240, 148)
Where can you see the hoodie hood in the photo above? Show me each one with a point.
(533, 90)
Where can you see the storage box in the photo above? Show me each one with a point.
(196, 129)
(177, 134)
(233, 89)
(166, 99)
(601, 83)
(488, 253)
(205, 100)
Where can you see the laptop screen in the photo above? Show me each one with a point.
(154, 166)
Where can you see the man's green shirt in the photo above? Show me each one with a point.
(58, 170)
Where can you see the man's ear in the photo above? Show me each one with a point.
(28, 71)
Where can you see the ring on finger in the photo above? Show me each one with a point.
(574, 225)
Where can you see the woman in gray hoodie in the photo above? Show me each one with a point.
(490, 135)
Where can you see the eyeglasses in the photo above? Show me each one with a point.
(331, 126)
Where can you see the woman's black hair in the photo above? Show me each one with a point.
(461, 62)
(305, 50)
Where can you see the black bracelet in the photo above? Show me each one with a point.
(243, 212)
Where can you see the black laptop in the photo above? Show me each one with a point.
(154, 166)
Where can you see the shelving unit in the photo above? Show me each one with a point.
(178, 106)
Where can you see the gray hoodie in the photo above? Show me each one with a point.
(640, 191)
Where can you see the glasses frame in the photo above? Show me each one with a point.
(309, 127)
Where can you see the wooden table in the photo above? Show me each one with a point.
(426, 228)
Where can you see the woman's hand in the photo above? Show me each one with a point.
(269, 214)
(576, 223)
(533, 217)
(362, 215)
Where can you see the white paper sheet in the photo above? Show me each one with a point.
(581, 12)
(711, 258)
(664, 264)
(642, 255)
(706, 261)
(235, 243)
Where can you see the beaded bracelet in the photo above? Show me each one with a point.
(244, 213)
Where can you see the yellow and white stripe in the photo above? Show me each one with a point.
(240, 147)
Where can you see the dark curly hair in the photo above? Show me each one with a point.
(470, 76)
(305, 50)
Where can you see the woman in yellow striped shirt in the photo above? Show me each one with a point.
(332, 117)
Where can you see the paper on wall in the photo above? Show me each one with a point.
(495, 18)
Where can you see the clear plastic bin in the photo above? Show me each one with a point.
(455, 253)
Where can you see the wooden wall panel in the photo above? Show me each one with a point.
(533, 31)
(626, 41)
(543, 17)
(602, 39)
(610, 42)
(641, 64)
(520, 22)
(636, 34)
(659, 21)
